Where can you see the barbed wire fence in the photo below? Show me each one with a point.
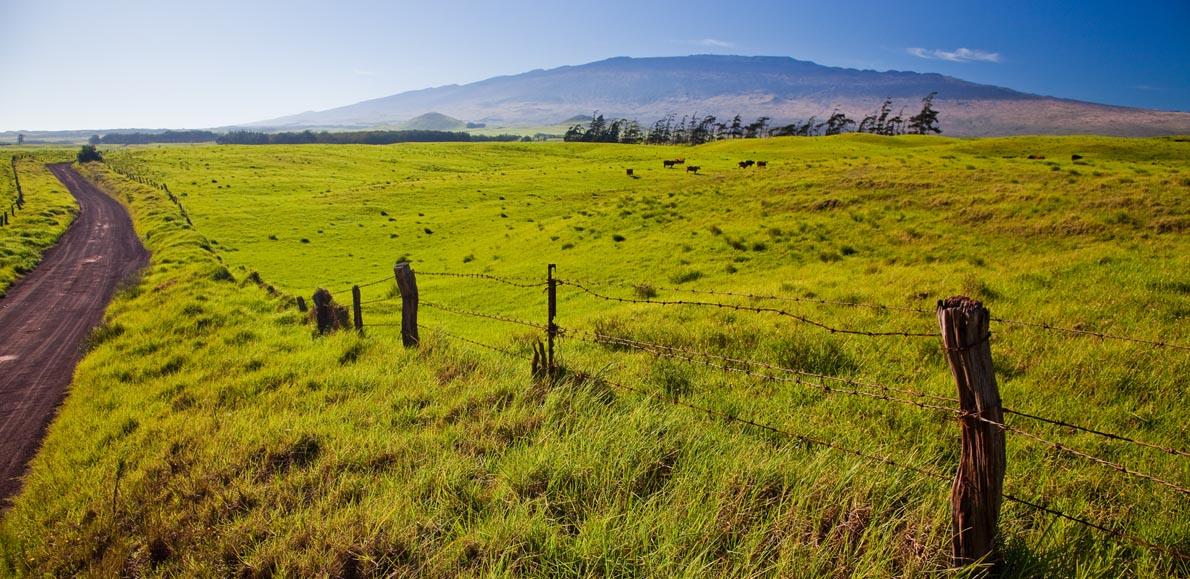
(966, 341)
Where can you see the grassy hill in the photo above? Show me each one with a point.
(209, 432)
(433, 122)
(47, 212)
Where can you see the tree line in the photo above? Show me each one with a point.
(356, 137)
(297, 138)
(696, 130)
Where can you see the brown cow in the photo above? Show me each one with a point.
(692, 168)
(629, 172)
(762, 164)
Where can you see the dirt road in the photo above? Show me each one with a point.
(48, 314)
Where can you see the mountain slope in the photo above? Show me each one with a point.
(779, 87)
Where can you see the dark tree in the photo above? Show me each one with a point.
(926, 121)
(94, 140)
(737, 128)
(838, 123)
(88, 154)
(20, 139)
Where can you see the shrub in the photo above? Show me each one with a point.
(89, 154)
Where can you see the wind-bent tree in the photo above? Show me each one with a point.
(838, 123)
(926, 121)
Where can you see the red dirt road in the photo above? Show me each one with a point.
(48, 314)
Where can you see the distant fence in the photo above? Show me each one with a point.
(964, 333)
(19, 201)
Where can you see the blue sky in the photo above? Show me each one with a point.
(201, 63)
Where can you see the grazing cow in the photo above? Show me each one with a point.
(749, 162)
(669, 164)
(743, 165)
(630, 172)
(1075, 157)
(680, 161)
(762, 164)
(692, 168)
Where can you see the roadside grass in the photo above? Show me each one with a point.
(49, 210)
(208, 432)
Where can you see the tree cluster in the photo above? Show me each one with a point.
(696, 130)
(355, 137)
(88, 154)
(147, 138)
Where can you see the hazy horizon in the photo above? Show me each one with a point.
(176, 65)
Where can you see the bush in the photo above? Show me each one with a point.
(89, 154)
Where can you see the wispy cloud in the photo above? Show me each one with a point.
(363, 72)
(716, 43)
(956, 55)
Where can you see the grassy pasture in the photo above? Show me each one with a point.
(49, 210)
(209, 433)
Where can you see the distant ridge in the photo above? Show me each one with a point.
(782, 88)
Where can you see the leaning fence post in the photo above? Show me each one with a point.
(976, 493)
(324, 311)
(552, 328)
(356, 310)
(407, 284)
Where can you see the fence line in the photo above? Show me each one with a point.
(967, 415)
(738, 307)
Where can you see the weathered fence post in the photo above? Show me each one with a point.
(301, 304)
(552, 328)
(324, 311)
(17, 180)
(976, 493)
(356, 310)
(407, 284)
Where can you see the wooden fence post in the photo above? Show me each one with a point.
(407, 284)
(324, 311)
(552, 328)
(356, 310)
(976, 493)
(301, 304)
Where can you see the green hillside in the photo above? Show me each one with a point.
(209, 432)
(46, 213)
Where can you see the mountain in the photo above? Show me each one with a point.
(782, 88)
(433, 122)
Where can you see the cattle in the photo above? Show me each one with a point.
(669, 163)
(1075, 157)
(680, 161)
(629, 172)
(692, 168)
(762, 164)
(743, 165)
(1037, 157)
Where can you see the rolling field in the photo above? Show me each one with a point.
(209, 433)
(48, 211)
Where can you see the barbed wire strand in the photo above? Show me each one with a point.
(1089, 333)
(1064, 424)
(512, 281)
(806, 439)
(921, 471)
(1118, 534)
(1069, 450)
(673, 351)
(754, 296)
(886, 397)
(475, 314)
(498, 349)
(738, 307)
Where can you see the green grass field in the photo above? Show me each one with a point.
(48, 211)
(208, 432)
